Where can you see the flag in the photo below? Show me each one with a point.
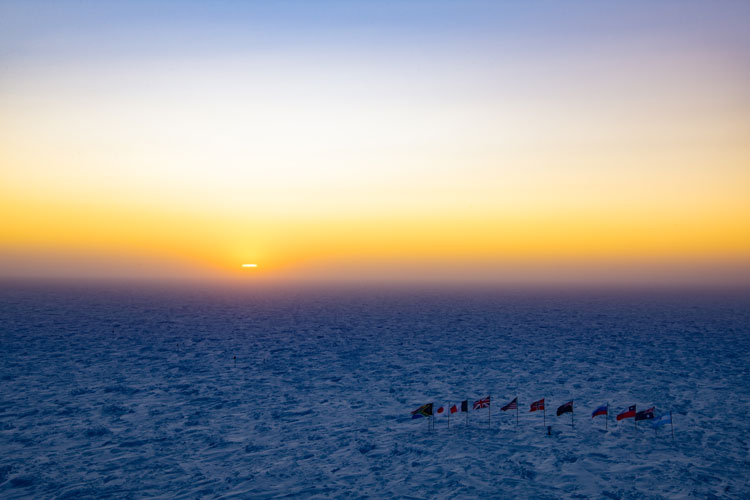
(464, 405)
(566, 408)
(454, 409)
(662, 420)
(482, 403)
(629, 413)
(602, 410)
(422, 411)
(441, 412)
(513, 405)
(537, 405)
(645, 414)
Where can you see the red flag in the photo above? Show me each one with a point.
(454, 409)
(629, 413)
(537, 405)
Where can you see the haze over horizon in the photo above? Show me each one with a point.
(391, 141)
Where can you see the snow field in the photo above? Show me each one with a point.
(128, 393)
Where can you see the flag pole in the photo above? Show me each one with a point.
(489, 411)
(544, 411)
(516, 411)
(606, 418)
(671, 424)
(449, 416)
(572, 425)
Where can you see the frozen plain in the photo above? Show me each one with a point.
(124, 392)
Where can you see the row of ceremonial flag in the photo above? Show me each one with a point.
(429, 410)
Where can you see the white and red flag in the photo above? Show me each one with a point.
(537, 405)
(629, 413)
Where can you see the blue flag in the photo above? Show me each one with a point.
(662, 420)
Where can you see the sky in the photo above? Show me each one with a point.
(501, 142)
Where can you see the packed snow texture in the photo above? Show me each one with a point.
(136, 393)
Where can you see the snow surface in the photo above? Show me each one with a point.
(134, 393)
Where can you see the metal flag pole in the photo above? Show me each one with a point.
(489, 412)
(544, 411)
(516, 411)
(671, 424)
(572, 425)
(449, 416)
(606, 418)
